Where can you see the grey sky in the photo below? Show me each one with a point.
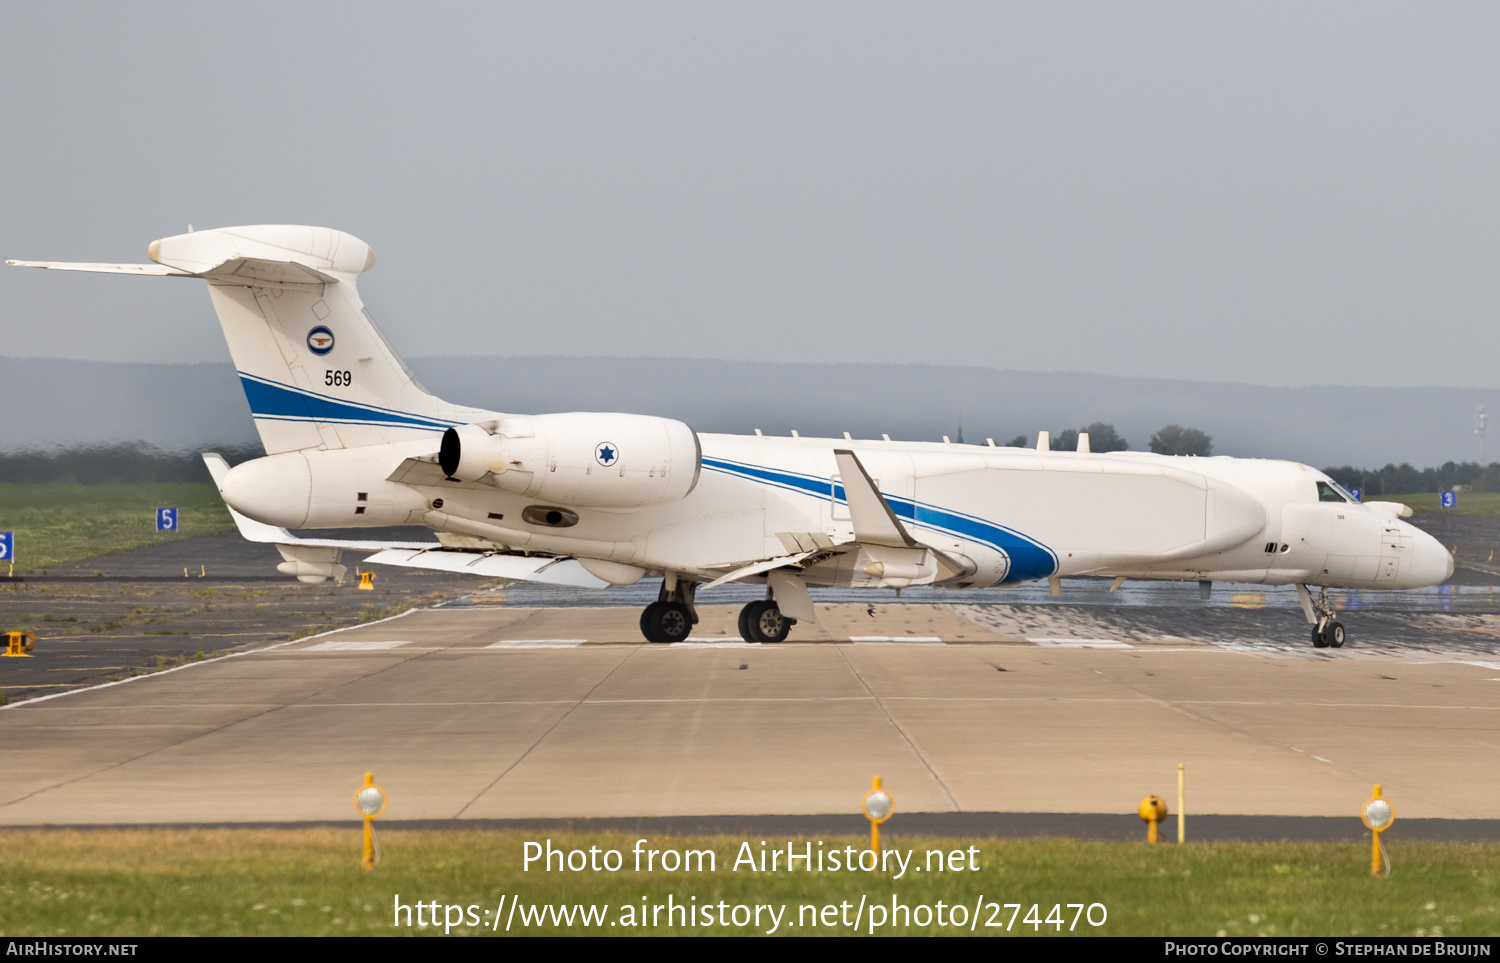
(1270, 193)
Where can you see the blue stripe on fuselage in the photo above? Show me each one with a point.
(269, 399)
(1029, 559)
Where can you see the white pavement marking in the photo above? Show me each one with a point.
(536, 644)
(896, 639)
(1080, 643)
(209, 661)
(692, 643)
(353, 646)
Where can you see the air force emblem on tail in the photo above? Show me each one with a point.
(320, 340)
(606, 454)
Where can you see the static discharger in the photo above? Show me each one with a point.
(1378, 816)
(370, 802)
(18, 645)
(878, 806)
(1153, 811)
(367, 581)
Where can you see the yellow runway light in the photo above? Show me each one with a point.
(878, 806)
(369, 802)
(367, 581)
(1153, 811)
(1377, 816)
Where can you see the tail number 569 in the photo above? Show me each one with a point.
(338, 378)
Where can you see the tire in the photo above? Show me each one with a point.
(765, 622)
(1333, 634)
(669, 622)
(646, 622)
(1318, 641)
(745, 622)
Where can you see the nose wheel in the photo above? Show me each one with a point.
(1327, 631)
(1331, 635)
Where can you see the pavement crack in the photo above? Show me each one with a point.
(892, 720)
(538, 741)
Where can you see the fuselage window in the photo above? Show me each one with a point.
(1330, 493)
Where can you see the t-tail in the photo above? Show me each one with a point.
(316, 370)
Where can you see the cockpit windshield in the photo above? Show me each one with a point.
(1332, 492)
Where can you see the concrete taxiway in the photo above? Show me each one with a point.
(505, 712)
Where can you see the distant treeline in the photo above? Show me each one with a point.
(131, 462)
(1404, 479)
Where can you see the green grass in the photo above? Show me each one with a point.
(57, 522)
(306, 881)
(1486, 504)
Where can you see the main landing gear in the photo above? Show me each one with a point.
(672, 616)
(1327, 631)
(761, 621)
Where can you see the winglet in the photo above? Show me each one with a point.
(874, 522)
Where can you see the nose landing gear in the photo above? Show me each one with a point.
(1327, 631)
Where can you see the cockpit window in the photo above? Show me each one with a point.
(1328, 492)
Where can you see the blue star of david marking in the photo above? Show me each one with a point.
(606, 454)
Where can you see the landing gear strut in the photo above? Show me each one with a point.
(1326, 630)
(672, 616)
(761, 621)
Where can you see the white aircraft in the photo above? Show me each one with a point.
(586, 498)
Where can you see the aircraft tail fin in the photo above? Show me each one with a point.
(316, 370)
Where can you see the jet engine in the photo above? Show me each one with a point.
(597, 460)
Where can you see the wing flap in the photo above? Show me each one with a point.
(556, 571)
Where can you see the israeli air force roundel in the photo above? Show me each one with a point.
(320, 340)
(606, 454)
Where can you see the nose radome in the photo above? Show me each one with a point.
(1431, 564)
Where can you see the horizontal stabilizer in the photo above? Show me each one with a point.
(155, 270)
(266, 273)
(240, 270)
(564, 571)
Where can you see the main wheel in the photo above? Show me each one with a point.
(745, 622)
(766, 623)
(1333, 634)
(668, 622)
(1318, 641)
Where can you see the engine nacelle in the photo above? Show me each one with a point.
(596, 460)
